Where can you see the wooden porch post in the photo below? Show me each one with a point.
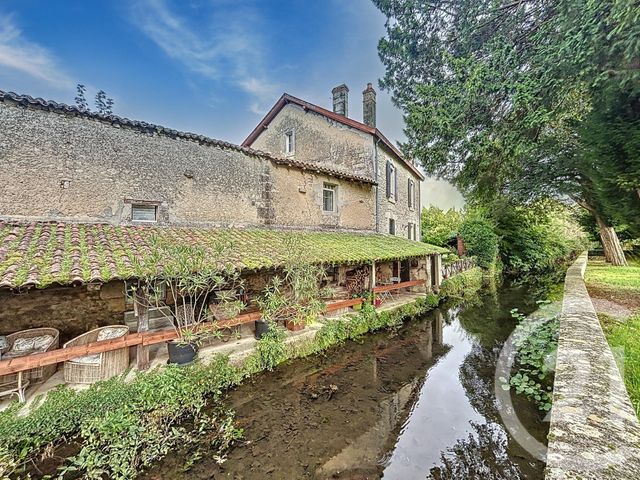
(437, 258)
(141, 310)
(372, 276)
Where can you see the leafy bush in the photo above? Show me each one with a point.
(537, 238)
(462, 285)
(440, 227)
(122, 427)
(480, 240)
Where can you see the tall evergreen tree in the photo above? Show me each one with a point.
(495, 91)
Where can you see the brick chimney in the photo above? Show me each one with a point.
(341, 100)
(369, 106)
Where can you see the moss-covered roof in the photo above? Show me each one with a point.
(42, 254)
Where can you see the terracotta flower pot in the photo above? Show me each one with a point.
(294, 326)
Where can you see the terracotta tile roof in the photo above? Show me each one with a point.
(61, 108)
(45, 253)
(286, 98)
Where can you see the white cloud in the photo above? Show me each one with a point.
(26, 57)
(225, 48)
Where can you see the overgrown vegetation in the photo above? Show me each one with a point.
(536, 342)
(122, 427)
(524, 241)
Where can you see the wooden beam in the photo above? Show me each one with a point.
(144, 339)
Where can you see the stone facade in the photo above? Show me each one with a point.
(319, 140)
(70, 167)
(397, 208)
(348, 146)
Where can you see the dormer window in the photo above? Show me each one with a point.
(289, 143)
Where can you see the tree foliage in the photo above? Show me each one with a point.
(480, 240)
(440, 227)
(103, 104)
(509, 98)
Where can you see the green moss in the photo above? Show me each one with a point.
(246, 249)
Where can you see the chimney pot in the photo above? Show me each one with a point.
(341, 100)
(369, 106)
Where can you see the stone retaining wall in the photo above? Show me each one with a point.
(594, 432)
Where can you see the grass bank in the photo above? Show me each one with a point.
(117, 428)
(619, 289)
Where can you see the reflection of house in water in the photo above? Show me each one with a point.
(365, 451)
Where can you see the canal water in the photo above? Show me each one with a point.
(413, 404)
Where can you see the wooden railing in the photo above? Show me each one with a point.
(15, 365)
(456, 267)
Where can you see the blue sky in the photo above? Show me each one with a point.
(207, 66)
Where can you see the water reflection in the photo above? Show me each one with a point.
(415, 404)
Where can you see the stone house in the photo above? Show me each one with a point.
(302, 131)
(83, 191)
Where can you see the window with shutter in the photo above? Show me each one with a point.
(388, 180)
(395, 184)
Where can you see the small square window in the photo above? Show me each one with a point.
(392, 226)
(329, 197)
(144, 213)
(289, 143)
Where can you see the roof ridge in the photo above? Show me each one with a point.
(63, 108)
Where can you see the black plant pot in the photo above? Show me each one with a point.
(262, 327)
(182, 353)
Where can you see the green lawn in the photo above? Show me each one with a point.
(626, 336)
(601, 274)
(620, 285)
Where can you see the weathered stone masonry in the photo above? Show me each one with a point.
(333, 140)
(66, 166)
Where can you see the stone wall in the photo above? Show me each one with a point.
(320, 140)
(72, 310)
(398, 210)
(326, 142)
(65, 167)
(594, 432)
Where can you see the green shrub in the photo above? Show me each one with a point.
(480, 240)
(462, 285)
(440, 227)
(122, 427)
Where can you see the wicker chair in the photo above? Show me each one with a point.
(101, 366)
(46, 339)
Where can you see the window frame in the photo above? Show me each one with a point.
(392, 181)
(143, 206)
(411, 194)
(333, 188)
(392, 223)
(290, 142)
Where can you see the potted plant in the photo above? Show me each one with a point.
(296, 296)
(190, 273)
